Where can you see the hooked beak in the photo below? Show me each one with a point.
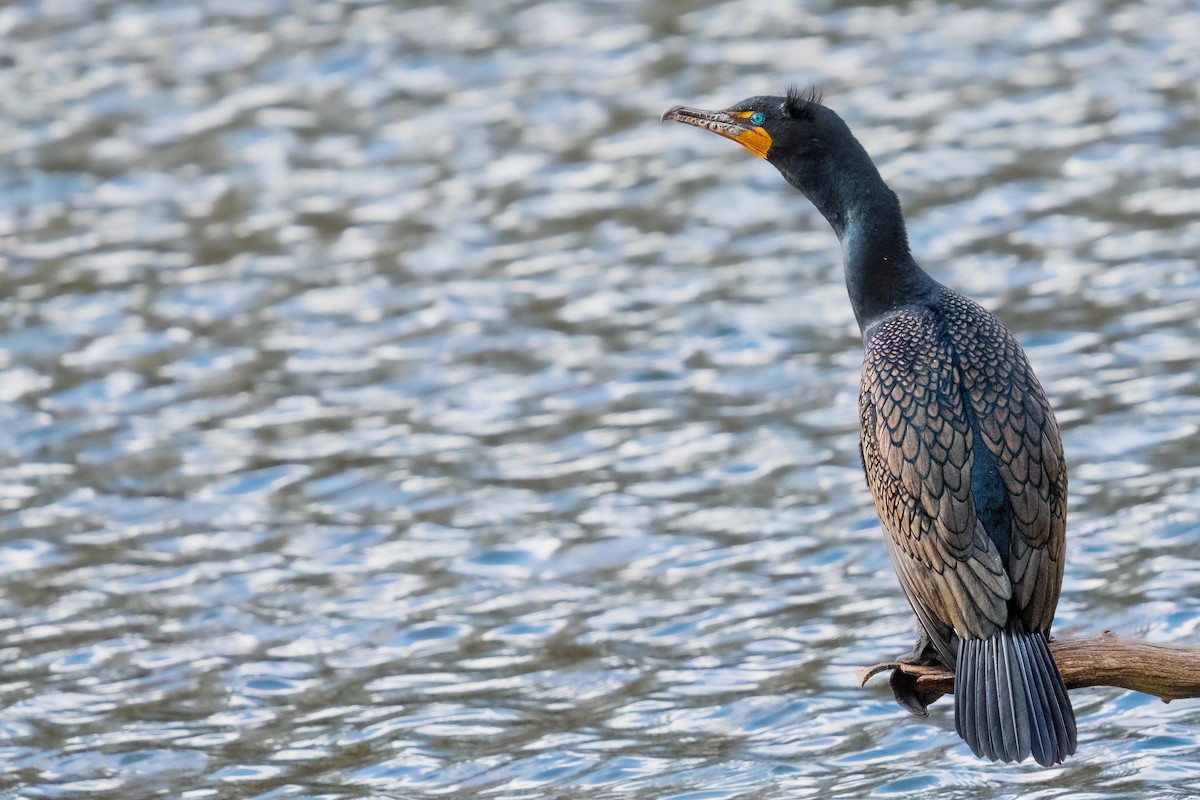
(733, 125)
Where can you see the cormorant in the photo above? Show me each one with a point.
(960, 448)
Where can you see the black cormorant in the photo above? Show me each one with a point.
(959, 445)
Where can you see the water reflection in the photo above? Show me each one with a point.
(392, 407)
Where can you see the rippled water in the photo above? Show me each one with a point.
(393, 408)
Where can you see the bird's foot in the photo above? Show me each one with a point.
(904, 685)
(904, 689)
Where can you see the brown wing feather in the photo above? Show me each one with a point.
(917, 451)
(1017, 426)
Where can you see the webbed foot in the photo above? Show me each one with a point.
(904, 689)
(904, 686)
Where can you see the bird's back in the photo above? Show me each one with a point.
(965, 448)
(1019, 476)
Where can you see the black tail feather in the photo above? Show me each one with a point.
(983, 728)
(991, 682)
(1010, 734)
(1064, 716)
(964, 682)
(1010, 701)
(1045, 734)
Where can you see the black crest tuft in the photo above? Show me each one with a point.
(802, 103)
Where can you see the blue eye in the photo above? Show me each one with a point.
(757, 118)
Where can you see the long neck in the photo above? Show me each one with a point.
(880, 273)
(865, 214)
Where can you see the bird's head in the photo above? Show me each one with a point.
(774, 128)
(808, 143)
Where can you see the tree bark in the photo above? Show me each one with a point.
(1166, 671)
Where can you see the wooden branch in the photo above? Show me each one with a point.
(1168, 672)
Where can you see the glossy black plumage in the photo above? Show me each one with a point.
(959, 444)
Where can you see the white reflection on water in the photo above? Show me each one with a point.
(392, 407)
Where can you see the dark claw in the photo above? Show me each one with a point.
(904, 686)
(904, 689)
